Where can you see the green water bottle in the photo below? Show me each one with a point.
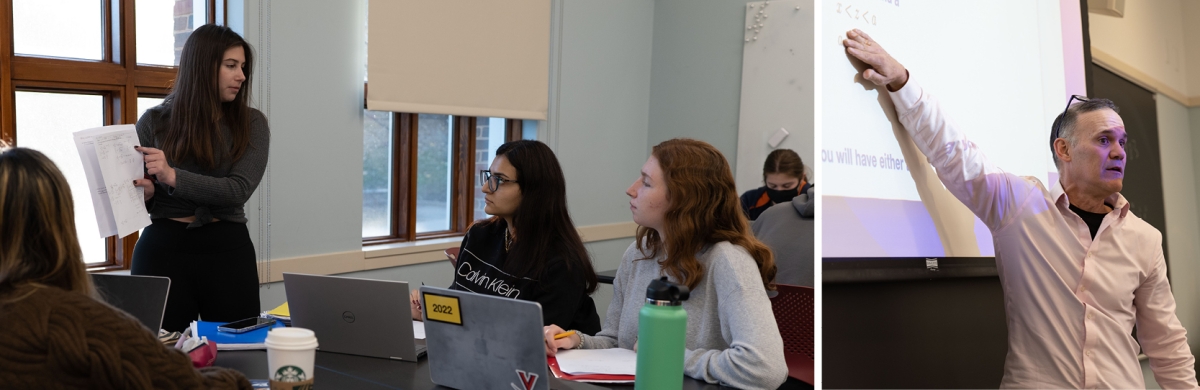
(662, 327)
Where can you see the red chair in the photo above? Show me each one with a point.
(452, 254)
(793, 308)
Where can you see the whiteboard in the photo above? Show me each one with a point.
(777, 86)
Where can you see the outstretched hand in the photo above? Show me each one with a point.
(883, 69)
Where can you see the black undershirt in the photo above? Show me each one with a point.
(1093, 220)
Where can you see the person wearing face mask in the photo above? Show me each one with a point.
(784, 178)
(205, 151)
(529, 249)
(789, 229)
(705, 243)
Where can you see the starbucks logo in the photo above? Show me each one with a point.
(289, 374)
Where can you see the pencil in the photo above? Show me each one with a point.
(568, 333)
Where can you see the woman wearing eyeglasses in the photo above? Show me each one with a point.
(529, 248)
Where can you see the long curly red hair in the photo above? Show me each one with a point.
(704, 210)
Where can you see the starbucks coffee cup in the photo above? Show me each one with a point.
(290, 356)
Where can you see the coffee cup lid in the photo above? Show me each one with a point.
(291, 337)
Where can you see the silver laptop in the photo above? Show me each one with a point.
(143, 297)
(355, 316)
(483, 342)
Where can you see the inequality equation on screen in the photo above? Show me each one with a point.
(868, 16)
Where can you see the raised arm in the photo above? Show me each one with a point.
(960, 165)
(1160, 333)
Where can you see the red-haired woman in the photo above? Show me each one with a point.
(703, 242)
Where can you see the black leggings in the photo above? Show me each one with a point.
(212, 270)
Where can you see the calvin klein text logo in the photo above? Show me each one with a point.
(348, 316)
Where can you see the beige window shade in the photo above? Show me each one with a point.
(462, 57)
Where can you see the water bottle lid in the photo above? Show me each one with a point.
(662, 290)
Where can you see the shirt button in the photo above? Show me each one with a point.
(1089, 353)
(1089, 316)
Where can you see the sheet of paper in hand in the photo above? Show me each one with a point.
(111, 164)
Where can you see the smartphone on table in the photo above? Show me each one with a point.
(246, 325)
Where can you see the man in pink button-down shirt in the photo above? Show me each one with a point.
(1079, 270)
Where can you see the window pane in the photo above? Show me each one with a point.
(58, 28)
(489, 135)
(434, 164)
(164, 25)
(377, 173)
(45, 122)
(529, 129)
(146, 103)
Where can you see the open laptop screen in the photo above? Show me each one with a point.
(143, 297)
(356, 316)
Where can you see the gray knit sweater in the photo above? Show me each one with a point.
(732, 338)
(220, 192)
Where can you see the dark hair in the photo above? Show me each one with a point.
(784, 161)
(1064, 124)
(704, 209)
(543, 225)
(38, 243)
(193, 130)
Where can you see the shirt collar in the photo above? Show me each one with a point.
(1059, 195)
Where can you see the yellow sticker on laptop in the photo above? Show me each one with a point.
(442, 308)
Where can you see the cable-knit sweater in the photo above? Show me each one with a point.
(56, 339)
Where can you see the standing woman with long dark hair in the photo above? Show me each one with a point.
(209, 153)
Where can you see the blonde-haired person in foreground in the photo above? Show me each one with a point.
(692, 230)
(56, 334)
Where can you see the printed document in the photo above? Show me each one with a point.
(111, 164)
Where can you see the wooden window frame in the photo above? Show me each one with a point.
(117, 76)
(403, 194)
